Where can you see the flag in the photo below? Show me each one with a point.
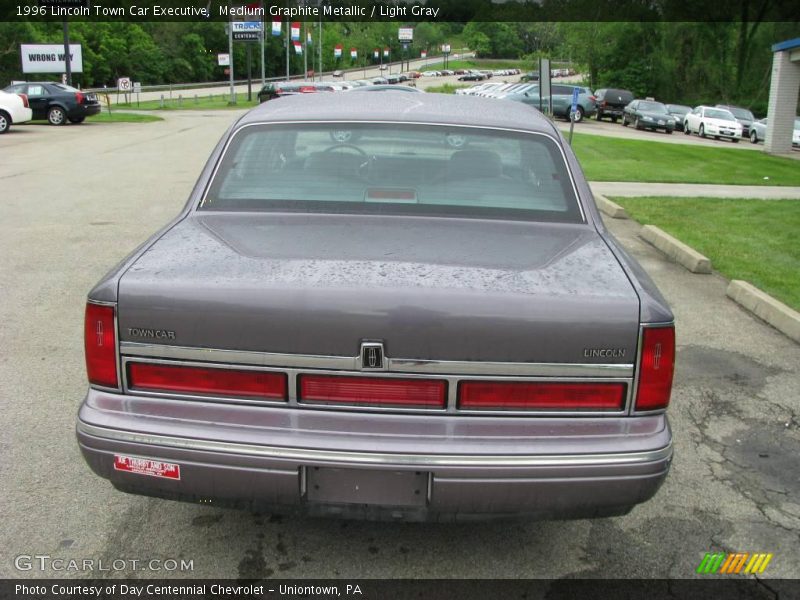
(295, 31)
(423, 54)
(276, 28)
(385, 53)
(337, 51)
(376, 53)
(298, 47)
(353, 53)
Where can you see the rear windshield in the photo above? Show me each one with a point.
(391, 168)
(655, 107)
(718, 113)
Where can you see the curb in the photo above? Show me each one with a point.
(774, 312)
(612, 209)
(685, 255)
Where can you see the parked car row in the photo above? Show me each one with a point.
(719, 122)
(274, 90)
(56, 102)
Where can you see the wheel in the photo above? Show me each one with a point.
(735, 140)
(753, 137)
(686, 130)
(599, 116)
(669, 131)
(77, 120)
(701, 132)
(56, 116)
(579, 114)
(624, 121)
(613, 119)
(636, 123)
(5, 122)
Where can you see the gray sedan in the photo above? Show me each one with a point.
(428, 321)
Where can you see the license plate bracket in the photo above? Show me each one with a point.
(380, 487)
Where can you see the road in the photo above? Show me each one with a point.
(78, 199)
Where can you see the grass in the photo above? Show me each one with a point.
(447, 88)
(122, 117)
(616, 159)
(188, 102)
(753, 240)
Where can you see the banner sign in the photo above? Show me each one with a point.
(276, 28)
(337, 51)
(296, 31)
(353, 53)
(385, 52)
(405, 34)
(298, 47)
(49, 58)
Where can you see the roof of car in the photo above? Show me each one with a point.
(442, 109)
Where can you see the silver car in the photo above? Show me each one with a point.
(428, 321)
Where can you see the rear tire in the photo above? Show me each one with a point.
(56, 116)
(636, 124)
(686, 130)
(753, 137)
(701, 132)
(578, 115)
(77, 120)
(624, 121)
(5, 122)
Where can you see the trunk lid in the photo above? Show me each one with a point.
(430, 288)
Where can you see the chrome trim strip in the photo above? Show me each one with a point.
(394, 365)
(308, 455)
(554, 139)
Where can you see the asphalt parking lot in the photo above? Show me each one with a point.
(74, 200)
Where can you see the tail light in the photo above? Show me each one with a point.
(592, 98)
(604, 104)
(24, 100)
(79, 97)
(377, 391)
(203, 380)
(99, 342)
(513, 395)
(656, 368)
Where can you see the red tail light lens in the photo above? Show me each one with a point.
(79, 97)
(514, 395)
(24, 100)
(376, 391)
(656, 368)
(202, 380)
(592, 98)
(99, 342)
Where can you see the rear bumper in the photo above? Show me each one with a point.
(469, 466)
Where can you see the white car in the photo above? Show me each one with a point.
(430, 73)
(14, 108)
(796, 133)
(708, 121)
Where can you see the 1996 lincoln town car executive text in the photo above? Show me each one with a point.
(400, 307)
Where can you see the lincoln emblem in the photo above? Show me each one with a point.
(372, 355)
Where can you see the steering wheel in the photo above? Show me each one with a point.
(353, 147)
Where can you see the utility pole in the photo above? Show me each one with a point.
(67, 61)
(288, 33)
(230, 53)
(263, 48)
